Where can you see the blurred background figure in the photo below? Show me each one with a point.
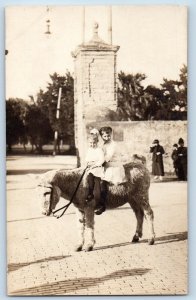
(174, 157)
(157, 160)
(182, 160)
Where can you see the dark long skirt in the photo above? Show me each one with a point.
(158, 168)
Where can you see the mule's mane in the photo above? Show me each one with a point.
(68, 179)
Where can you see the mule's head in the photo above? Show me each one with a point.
(47, 194)
(44, 193)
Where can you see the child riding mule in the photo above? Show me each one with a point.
(135, 191)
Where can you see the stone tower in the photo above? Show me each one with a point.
(94, 85)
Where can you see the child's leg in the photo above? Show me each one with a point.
(91, 184)
(104, 191)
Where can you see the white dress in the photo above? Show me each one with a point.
(96, 156)
(114, 170)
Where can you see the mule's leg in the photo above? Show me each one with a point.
(149, 215)
(80, 225)
(89, 228)
(139, 213)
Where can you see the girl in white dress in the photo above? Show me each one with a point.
(94, 161)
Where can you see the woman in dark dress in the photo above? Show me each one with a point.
(174, 157)
(182, 160)
(157, 160)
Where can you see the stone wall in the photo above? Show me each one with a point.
(135, 137)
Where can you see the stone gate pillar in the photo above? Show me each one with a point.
(94, 85)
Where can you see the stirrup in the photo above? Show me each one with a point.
(100, 210)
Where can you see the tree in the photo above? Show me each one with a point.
(38, 127)
(47, 101)
(182, 96)
(131, 103)
(154, 98)
(15, 122)
(175, 92)
(152, 103)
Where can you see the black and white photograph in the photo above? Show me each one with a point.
(96, 150)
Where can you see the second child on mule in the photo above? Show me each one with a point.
(113, 172)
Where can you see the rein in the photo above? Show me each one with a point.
(65, 207)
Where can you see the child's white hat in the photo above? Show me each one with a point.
(94, 131)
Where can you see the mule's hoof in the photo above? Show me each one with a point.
(88, 248)
(135, 239)
(78, 248)
(151, 241)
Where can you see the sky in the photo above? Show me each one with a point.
(152, 40)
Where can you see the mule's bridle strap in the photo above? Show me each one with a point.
(47, 193)
(47, 187)
(65, 207)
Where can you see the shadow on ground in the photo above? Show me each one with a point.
(72, 285)
(15, 266)
(170, 238)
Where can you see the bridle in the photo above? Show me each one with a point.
(65, 207)
(47, 193)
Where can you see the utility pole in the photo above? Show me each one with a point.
(57, 117)
(110, 24)
(83, 24)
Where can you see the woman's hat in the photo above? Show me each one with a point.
(155, 142)
(180, 141)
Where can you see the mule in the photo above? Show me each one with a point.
(62, 183)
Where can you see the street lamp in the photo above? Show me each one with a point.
(48, 27)
(48, 32)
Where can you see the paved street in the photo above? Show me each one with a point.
(41, 257)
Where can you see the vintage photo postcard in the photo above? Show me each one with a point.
(96, 150)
